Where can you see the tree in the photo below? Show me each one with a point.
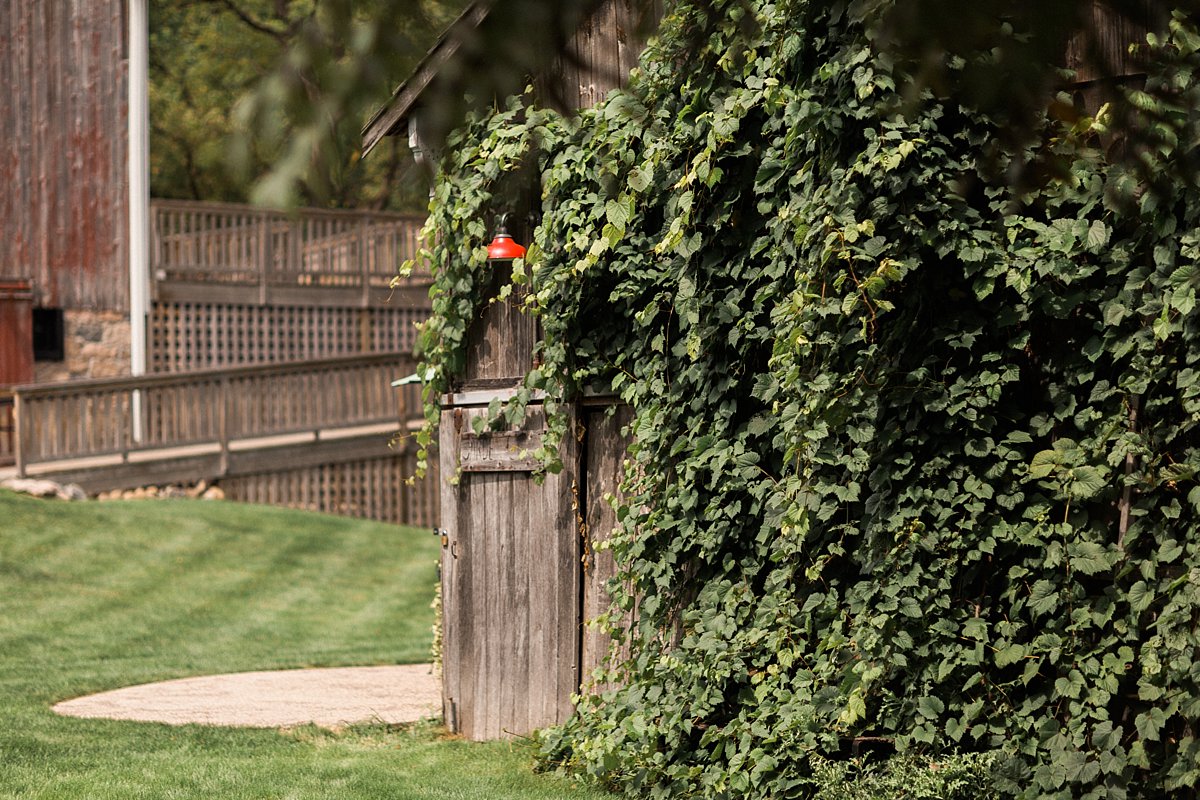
(243, 87)
(1014, 54)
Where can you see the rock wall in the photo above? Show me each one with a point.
(95, 345)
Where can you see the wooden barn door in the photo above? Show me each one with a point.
(510, 580)
(16, 332)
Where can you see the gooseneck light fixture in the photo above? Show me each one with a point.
(502, 247)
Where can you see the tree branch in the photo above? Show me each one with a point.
(250, 21)
(1126, 504)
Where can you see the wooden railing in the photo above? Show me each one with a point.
(214, 251)
(218, 408)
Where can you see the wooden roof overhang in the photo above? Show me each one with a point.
(393, 117)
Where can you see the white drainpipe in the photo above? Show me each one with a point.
(139, 195)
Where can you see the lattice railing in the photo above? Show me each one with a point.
(307, 255)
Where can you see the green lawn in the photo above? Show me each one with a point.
(95, 596)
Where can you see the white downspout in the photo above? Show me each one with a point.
(139, 195)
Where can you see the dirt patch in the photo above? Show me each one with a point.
(330, 698)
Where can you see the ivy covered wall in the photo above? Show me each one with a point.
(915, 452)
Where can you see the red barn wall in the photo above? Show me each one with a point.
(64, 215)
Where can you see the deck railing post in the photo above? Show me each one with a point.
(363, 263)
(264, 256)
(296, 229)
(135, 410)
(20, 422)
(224, 413)
(130, 427)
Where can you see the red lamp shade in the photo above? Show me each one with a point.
(503, 247)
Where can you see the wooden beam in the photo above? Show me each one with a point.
(212, 466)
(388, 118)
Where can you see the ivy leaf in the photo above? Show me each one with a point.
(955, 729)
(930, 707)
(1087, 482)
(760, 424)
(1162, 324)
(1010, 654)
(1113, 314)
(1149, 723)
(1097, 236)
(617, 214)
(976, 628)
(1043, 464)
(856, 707)
(1140, 597)
(639, 178)
(1169, 551)
(1043, 597)
(1090, 558)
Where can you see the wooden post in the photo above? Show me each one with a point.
(19, 423)
(364, 330)
(296, 231)
(223, 415)
(132, 416)
(363, 267)
(264, 256)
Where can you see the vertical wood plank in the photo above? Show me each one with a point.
(451, 556)
(606, 449)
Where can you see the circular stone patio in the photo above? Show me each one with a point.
(330, 698)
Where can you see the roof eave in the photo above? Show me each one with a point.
(393, 114)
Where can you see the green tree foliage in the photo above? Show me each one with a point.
(915, 450)
(264, 99)
(347, 52)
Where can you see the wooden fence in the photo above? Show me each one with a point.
(116, 416)
(367, 488)
(189, 336)
(220, 252)
(310, 435)
(236, 285)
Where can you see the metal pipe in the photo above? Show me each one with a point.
(139, 196)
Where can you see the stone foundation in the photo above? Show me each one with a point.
(95, 345)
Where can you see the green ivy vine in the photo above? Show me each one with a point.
(914, 454)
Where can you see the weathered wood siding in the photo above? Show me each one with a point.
(1099, 54)
(63, 211)
(604, 465)
(1101, 50)
(500, 345)
(510, 582)
(604, 51)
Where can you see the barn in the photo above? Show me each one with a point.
(520, 572)
(65, 210)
